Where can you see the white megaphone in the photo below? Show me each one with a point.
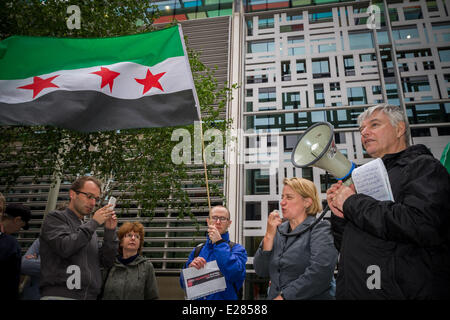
(316, 148)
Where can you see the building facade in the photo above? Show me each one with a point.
(302, 62)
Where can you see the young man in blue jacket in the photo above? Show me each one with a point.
(231, 257)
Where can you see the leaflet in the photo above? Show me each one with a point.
(372, 179)
(203, 282)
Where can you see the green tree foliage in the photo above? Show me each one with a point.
(136, 162)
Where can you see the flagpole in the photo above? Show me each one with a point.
(180, 30)
(204, 162)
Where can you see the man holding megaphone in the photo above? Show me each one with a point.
(394, 249)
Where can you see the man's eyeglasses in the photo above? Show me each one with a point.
(222, 219)
(90, 196)
(131, 235)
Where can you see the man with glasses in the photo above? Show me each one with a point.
(231, 257)
(71, 256)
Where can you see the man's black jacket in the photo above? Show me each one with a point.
(406, 242)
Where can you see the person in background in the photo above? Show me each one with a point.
(31, 268)
(394, 249)
(231, 257)
(132, 277)
(300, 263)
(14, 218)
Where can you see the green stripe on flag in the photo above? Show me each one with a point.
(23, 57)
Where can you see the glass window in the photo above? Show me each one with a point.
(257, 79)
(412, 13)
(249, 27)
(321, 17)
(416, 84)
(267, 94)
(307, 173)
(393, 14)
(432, 6)
(294, 40)
(349, 66)
(253, 210)
(367, 57)
(291, 100)
(428, 113)
(265, 23)
(285, 70)
(405, 33)
(420, 132)
(444, 54)
(326, 180)
(356, 96)
(298, 51)
(291, 28)
(292, 17)
(301, 66)
(335, 86)
(392, 94)
(382, 37)
(327, 48)
(260, 46)
(363, 40)
(290, 141)
(257, 182)
(319, 96)
(321, 68)
(376, 89)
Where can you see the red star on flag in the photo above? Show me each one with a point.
(108, 77)
(40, 84)
(150, 81)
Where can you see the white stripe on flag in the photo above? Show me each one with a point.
(177, 77)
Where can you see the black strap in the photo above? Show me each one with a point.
(199, 248)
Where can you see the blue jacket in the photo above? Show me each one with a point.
(32, 268)
(231, 263)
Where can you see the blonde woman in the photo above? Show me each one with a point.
(299, 262)
(132, 277)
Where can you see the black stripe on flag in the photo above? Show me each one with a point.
(89, 111)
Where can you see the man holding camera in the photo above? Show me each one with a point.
(71, 257)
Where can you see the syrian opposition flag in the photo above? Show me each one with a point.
(100, 84)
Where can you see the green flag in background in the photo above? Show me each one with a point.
(100, 84)
(445, 157)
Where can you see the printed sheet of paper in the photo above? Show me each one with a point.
(372, 179)
(203, 282)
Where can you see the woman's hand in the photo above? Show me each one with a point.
(273, 221)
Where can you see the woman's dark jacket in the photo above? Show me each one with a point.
(299, 267)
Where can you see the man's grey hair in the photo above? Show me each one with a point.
(394, 113)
